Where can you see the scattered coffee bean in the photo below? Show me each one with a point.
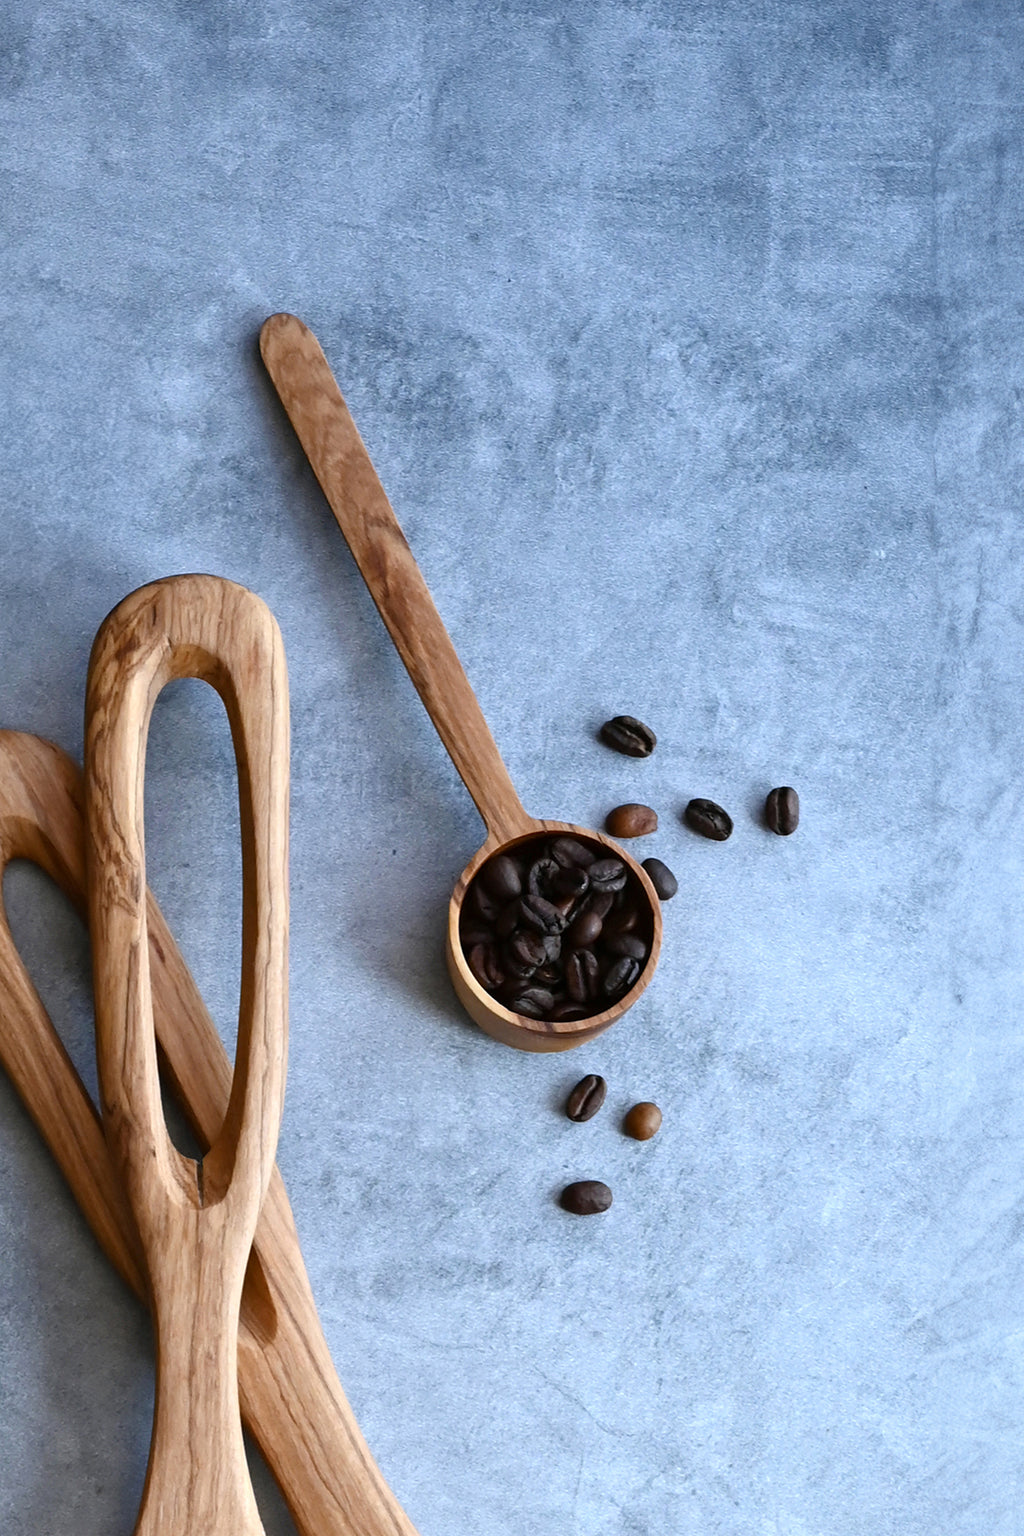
(782, 811)
(631, 821)
(662, 878)
(587, 1197)
(586, 1098)
(707, 818)
(629, 736)
(642, 1122)
(572, 943)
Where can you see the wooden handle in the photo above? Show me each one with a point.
(310, 395)
(196, 1221)
(291, 1397)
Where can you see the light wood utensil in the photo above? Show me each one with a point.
(196, 1221)
(310, 395)
(291, 1398)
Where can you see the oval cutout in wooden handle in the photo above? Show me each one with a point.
(196, 1221)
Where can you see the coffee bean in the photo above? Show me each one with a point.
(540, 876)
(571, 882)
(587, 1197)
(524, 952)
(707, 818)
(782, 811)
(566, 1011)
(483, 962)
(607, 875)
(631, 820)
(582, 974)
(621, 977)
(567, 851)
(600, 903)
(586, 1098)
(642, 1122)
(508, 919)
(662, 878)
(487, 905)
(627, 944)
(620, 920)
(502, 878)
(534, 1002)
(629, 736)
(542, 914)
(585, 931)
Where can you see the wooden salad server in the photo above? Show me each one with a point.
(196, 1222)
(324, 426)
(291, 1398)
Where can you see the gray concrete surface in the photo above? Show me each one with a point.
(689, 342)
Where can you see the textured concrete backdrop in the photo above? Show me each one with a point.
(688, 339)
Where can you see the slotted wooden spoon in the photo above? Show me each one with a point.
(291, 1397)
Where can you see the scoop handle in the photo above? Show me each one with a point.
(291, 1397)
(196, 1222)
(324, 426)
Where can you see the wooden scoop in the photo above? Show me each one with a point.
(310, 395)
(291, 1397)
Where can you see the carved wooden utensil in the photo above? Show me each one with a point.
(310, 395)
(196, 1221)
(291, 1397)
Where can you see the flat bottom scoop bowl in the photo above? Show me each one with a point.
(324, 426)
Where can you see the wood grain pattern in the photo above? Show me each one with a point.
(310, 395)
(324, 426)
(196, 1221)
(292, 1400)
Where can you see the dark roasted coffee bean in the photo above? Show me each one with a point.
(541, 914)
(535, 1002)
(584, 931)
(487, 906)
(549, 974)
(483, 962)
(631, 820)
(582, 975)
(642, 1122)
(523, 953)
(571, 882)
(587, 1197)
(540, 876)
(586, 1098)
(552, 946)
(600, 903)
(508, 919)
(628, 735)
(607, 875)
(621, 977)
(620, 920)
(782, 811)
(707, 818)
(502, 878)
(474, 932)
(627, 944)
(567, 851)
(565, 1012)
(662, 878)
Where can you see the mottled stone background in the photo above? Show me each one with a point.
(688, 339)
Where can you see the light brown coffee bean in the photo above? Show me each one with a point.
(643, 1121)
(631, 820)
(586, 1098)
(587, 1197)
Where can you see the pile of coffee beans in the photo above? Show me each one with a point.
(556, 929)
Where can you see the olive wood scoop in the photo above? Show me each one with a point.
(195, 1221)
(324, 426)
(291, 1398)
